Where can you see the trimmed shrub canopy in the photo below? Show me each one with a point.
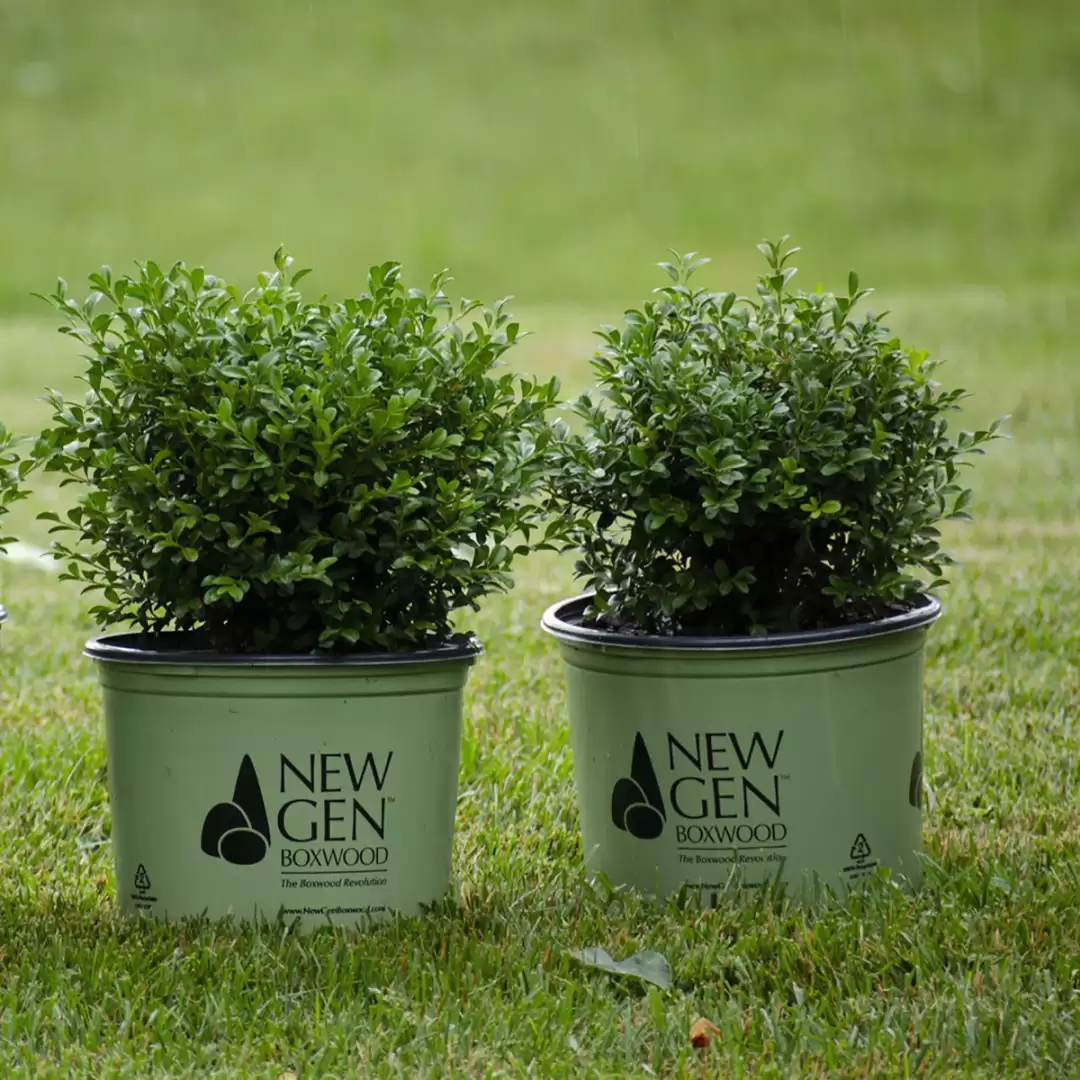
(766, 464)
(285, 475)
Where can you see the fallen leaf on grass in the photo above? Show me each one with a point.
(648, 965)
(701, 1031)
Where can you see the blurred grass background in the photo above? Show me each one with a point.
(554, 151)
(549, 150)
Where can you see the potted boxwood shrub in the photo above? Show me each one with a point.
(12, 472)
(756, 511)
(286, 501)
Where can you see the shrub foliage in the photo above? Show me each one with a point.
(759, 465)
(285, 475)
(12, 472)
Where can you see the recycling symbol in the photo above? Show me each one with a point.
(142, 879)
(861, 848)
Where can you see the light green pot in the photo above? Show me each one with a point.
(317, 788)
(704, 762)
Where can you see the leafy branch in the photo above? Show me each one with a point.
(759, 464)
(287, 475)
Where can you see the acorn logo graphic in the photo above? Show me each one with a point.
(915, 783)
(636, 804)
(238, 831)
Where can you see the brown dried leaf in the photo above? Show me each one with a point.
(701, 1031)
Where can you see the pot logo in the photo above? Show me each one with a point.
(142, 899)
(636, 804)
(861, 848)
(915, 783)
(238, 831)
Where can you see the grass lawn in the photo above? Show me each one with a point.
(556, 153)
(979, 974)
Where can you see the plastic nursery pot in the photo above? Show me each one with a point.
(322, 788)
(706, 762)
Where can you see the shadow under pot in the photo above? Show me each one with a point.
(707, 763)
(319, 788)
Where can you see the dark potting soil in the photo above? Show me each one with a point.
(195, 646)
(714, 630)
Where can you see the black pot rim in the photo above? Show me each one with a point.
(559, 621)
(136, 648)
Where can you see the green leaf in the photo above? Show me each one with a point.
(648, 965)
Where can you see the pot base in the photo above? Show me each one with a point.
(700, 768)
(323, 792)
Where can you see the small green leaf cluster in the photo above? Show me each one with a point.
(760, 464)
(13, 471)
(289, 476)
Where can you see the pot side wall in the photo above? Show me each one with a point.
(796, 764)
(324, 794)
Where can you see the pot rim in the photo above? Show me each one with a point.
(558, 621)
(3, 613)
(127, 648)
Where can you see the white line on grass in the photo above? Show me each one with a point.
(27, 555)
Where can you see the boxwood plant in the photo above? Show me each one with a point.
(12, 472)
(765, 464)
(286, 475)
